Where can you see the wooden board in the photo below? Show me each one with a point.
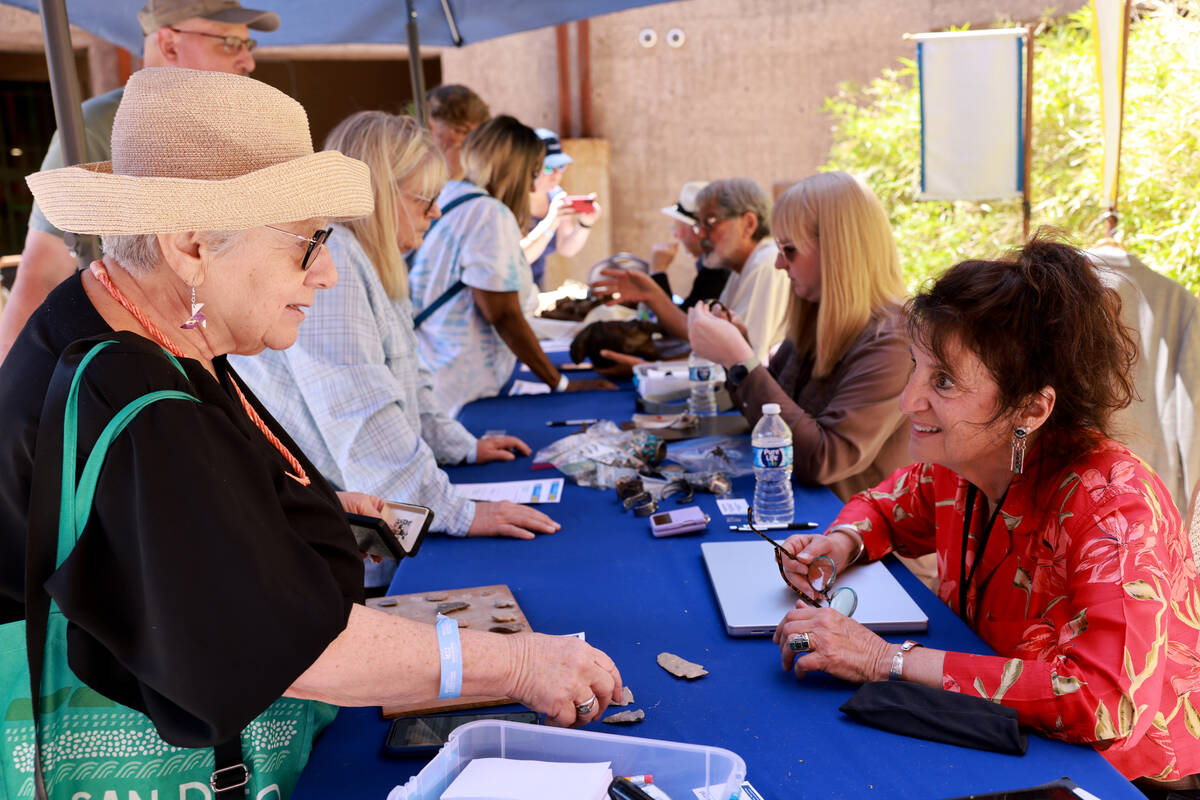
(477, 616)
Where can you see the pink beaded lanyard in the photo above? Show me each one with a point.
(298, 474)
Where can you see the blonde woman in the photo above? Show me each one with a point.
(351, 391)
(838, 375)
(471, 282)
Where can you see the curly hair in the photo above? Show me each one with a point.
(1038, 317)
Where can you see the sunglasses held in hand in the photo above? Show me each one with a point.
(822, 573)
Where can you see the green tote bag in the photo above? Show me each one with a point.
(91, 747)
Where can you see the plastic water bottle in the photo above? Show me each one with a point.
(703, 399)
(772, 443)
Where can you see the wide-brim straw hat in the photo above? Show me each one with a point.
(194, 150)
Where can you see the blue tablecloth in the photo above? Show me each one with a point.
(636, 596)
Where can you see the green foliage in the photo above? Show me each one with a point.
(877, 136)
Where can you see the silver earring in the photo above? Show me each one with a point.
(197, 318)
(1019, 438)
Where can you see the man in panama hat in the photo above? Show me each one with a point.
(210, 35)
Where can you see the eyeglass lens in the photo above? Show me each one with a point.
(319, 238)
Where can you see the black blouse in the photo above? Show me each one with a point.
(206, 580)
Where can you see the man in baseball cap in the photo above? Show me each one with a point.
(212, 35)
(162, 13)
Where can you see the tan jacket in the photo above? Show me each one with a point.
(847, 429)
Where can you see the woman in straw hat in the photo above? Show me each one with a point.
(215, 573)
(352, 391)
(471, 282)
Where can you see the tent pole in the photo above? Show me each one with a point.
(1112, 218)
(416, 69)
(64, 88)
(1028, 144)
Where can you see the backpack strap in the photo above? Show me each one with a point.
(458, 285)
(442, 299)
(56, 497)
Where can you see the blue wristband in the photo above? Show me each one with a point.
(450, 651)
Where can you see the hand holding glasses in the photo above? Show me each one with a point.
(822, 573)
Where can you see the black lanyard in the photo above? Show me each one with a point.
(964, 578)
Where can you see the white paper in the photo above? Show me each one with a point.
(528, 387)
(510, 779)
(556, 345)
(733, 506)
(547, 490)
(582, 366)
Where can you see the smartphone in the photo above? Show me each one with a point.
(397, 533)
(423, 736)
(581, 203)
(677, 521)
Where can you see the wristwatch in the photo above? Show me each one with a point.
(896, 673)
(738, 372)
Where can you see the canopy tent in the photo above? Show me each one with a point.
(440, 22)
(432, 22)
(414, 22)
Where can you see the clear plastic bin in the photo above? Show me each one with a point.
(667, 381)
(678, 768)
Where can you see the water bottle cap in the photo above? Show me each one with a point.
(770, 408)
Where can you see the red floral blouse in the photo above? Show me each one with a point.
(1087, 590)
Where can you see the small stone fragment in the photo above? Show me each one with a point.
(504, 604)
(511, 627)
(625, 717)
(387, 602)
(504, 617)
(452, 606)
(626, 697)
(485, 593)
(436, 598)
(680, 667)
(462, 623)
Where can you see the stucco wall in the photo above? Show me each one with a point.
(741, 97)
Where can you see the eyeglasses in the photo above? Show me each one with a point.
(231, 44)
(316, 240)
(822, 573)
(429, 201)
(707, 224)
(548, 170)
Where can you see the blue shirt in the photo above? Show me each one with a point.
(354, 396)
(479, 243)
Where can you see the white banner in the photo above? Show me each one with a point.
(1108, 32)
(972, 113)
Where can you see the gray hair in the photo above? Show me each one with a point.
(139, 253)
(736, 196)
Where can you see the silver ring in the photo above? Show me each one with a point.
(586, 707)
(799, 643)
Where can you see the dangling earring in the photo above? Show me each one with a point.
(1017, 464)
(196, 318)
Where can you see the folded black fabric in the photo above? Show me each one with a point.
(911, 709)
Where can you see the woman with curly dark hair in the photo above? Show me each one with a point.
(1057, 545)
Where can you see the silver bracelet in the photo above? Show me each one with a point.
(896, 673)
(855, 536)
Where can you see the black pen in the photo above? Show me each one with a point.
(791, 526)
(569, 423)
